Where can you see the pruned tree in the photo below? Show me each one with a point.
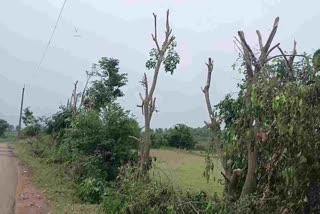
(254, 64)
(164, 54)
(214, 125)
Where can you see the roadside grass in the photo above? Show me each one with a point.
(58, 189)
(8, 137)
(185, 170)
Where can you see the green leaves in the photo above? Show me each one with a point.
(170, 61)
(180, 136)
(154, 55)
(3, 127)
(106, 88)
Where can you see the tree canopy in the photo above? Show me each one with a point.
(106, 88)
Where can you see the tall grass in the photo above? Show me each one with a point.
(59, 190)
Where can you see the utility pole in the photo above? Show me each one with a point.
(19, 129)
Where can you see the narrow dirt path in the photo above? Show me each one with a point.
(8, 179)
(17, 193)
(29, 200)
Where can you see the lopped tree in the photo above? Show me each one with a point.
(163, 54)
(214, 126)
(254, 64)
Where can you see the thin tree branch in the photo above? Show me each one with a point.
(155, 36)
(294, 52)
(277, 56)
(271, 49)
(260, 40)
(272, 34)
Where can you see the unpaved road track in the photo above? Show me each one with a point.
(8, 179)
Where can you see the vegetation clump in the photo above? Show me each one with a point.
(4, 125)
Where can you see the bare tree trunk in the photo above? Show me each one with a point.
(145, 151)
(214, 125)
(254, 66)
(149, 102)
(75, 99)
(250, 182)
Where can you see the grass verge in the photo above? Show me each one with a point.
(59, 190)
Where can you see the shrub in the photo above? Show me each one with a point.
(159, 139)
(3, 127)
(95, 146)
(136, 195)
(91, 190)
(180, 136)
(33, 127)
(288, 164)
(40, 146)
(59, 121)
(31, 130)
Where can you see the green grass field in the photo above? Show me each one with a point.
(8, 137)
(185, 170)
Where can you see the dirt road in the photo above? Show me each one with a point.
(8, 179)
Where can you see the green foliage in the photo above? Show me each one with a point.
(28, 117)
(8, 137)
(91, 190)
(11, 128)
(288, 162)
(59, 121)
(3, 127)
(105, 139)
(40, 146)
(180, 136)
(316, 60)
(106, 88)
(134, 195)
(202, 135)
(33, 127)
(159, 138)
(95, 146)
(171, 60)
(32, 130)
(60, 190)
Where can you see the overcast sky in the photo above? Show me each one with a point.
(122, 29)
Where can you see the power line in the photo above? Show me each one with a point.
(54, 29)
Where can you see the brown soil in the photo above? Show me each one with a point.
(29, 200)
(8, 179)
